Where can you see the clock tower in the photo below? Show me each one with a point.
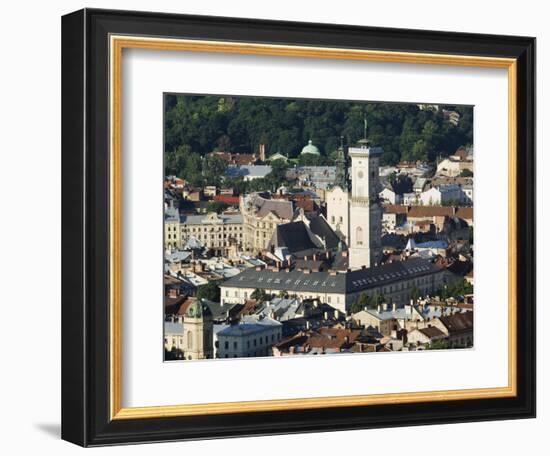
(365, 246)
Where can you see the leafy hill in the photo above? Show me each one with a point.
(196, 125)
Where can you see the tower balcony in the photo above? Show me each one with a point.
(360, 200)
(365, 200)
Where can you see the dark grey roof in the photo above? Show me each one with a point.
(349, 282)
(319, 226)
(389, 273)
(292, 235)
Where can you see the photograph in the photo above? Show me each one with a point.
(316, 227)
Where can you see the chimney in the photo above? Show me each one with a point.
(394, 306)
(173, 293)
(262, 152)
(325, 315)
(385, 306)
(378, 308)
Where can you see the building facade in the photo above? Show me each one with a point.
(393, 280)
(215, 231)
(253, 336)
(260, 217)
(338, 212)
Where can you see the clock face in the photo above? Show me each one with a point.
(360, 174)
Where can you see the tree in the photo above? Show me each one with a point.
(239, 124)
(213, 170)
(415, 293)
(457, 289)
(277, 176)
(209, 291)
(440, 344)
(401, 183)
(259, 295)
(360, 303)
(216, 206)
(466, 173)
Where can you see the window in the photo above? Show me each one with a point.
(359, 235)
(189, 339)
(235, 345)
(226, 345)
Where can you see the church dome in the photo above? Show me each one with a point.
(197, 309)
(310, 149)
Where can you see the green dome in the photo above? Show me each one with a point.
(197, 310)
(310, 149)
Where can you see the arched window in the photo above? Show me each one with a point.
(189, 339)
(359, 235)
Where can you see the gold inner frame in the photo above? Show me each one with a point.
(117, 44)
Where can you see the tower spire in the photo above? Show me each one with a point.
(341, 167)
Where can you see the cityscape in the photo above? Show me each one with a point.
(312, 227)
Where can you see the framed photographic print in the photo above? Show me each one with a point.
(277, 227)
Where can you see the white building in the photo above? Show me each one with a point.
(252, 336)
(453, 166)
(365, 248)
(338, 212)
(173, 336)
(389, 196)
(442, 194)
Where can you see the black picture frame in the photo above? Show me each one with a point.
(85, 227)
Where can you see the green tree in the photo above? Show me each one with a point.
(401, 183)
(216, 206)
(213, 170)
(259, 295)
(360, 303)
(209, 291)
(466, 173)
(203, 124)
(415, 293)
(440, 344)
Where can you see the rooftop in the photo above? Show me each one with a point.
(349, 282)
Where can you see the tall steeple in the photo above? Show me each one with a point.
(341, 178)
(365, 247)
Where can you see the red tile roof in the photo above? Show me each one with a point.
(466, 213)
(395, 209)
(430, 211)
(459, 322)
(227, 199)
